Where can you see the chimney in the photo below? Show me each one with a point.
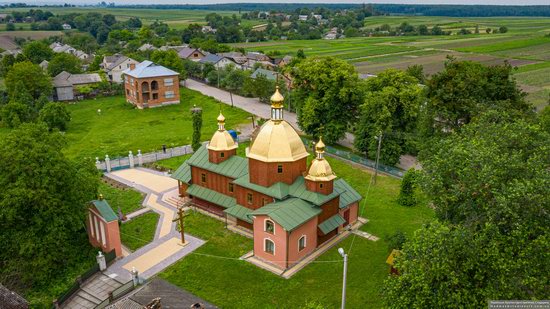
(132, 66)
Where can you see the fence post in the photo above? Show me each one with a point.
(140, 158)
(131, 159)
(97, 163)
(100, 258)
(108, 163)
(135, 276)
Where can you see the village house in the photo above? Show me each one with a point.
(177, 48)
(281, 62)
(44, 65)
(150, 85)
(146, 47)
(218, 62)
(116, 64)
(193, 54)
(236, 57)
(255, 57)
(208, 29)
(66, 84)
(3, 18)
(302, 17)
(66, 27)
(271, 75)
(290, 209)
(64, 48)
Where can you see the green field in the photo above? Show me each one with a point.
(139, 231)
(207, 271)
(128, 200)
(120, 127)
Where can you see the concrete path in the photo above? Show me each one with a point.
(93, 292)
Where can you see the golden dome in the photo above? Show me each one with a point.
(277, 98)
(320, 169)
(221, 140)
(277, 141)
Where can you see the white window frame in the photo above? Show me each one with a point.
(168, 82)
(265, 226)
(169, 94)
(305, 243)
(265, 247)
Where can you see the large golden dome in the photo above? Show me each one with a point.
(320, 169)
(222, 140)
(277, 141)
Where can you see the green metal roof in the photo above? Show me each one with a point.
(298, 189)
(211, 196)
(331, 223)
(349, 195)
(233, 167)
(183, 173)
(290, 213)
(278, 190)
(240, 212)
(105, 210)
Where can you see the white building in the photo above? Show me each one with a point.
(115, 65)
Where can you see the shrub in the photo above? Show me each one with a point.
(406, 194)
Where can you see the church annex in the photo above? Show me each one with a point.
(290, 207)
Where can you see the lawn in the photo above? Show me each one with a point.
(207, 271)
(128, 200)
(120, 127)
(139, 231)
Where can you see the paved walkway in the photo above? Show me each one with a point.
(93, 292)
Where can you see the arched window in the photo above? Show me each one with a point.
(302, 243)
(269, 246)
(269, 226)
(154, 85)
(144, 87)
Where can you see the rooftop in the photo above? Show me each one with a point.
(66, 79)
(149, 69)
(290, 213)
(105, 210)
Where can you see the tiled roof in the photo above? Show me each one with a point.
(105, 210)
(278, 190)
(188, 51)
(211, 196)
(349, 195)
(149, 69)
(211, 58)
(240, 212)
(290, 213)
(183, 173)
(331, 223)
(233, 167)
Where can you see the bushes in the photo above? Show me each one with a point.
(406, 194)
(55, 115)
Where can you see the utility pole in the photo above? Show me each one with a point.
(377, 156)
(179, 219)
(345, 256)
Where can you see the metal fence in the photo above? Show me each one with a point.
(116, 294)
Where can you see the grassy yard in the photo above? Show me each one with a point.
(128, 199)
(139, 231)
(207, 271)
(120, 127)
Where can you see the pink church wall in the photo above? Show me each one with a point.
(278, 237)
(353, 212)
(309, 229)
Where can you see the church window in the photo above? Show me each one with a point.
(279, 168)
(222, 154)
(320, 186)
(203, 177)
(269, 226)
(302, 243)
(269, 246)
(249, 198)
(231, 187)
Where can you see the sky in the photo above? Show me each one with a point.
(490, 2)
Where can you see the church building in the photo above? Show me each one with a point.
(290, 207)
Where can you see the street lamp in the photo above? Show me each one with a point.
(345, 256)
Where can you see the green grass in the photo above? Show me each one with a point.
(514, 44)
(120, 127)
(127, 199)
(208, 270)
(139, 231)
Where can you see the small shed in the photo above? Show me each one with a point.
(102, 226)
(65, 82)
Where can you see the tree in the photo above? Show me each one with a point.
(64, 62)
(15, 113)
(10, 27)
(42, 230)
(391, 107)
(464, 89)
(234, 80)
(5, 65)
(488, 30)
(55, 115)
(329, 93)
(406, 193)
(503, 29)
(169, 59)
(37, 51)
(422, 30)
(417, 71)
(32, 78)
(196, 113)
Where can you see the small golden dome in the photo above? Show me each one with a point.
(320, 170)
(277, 141)
(277, 98)
(320, 146)
(222, 141)
(221, 118)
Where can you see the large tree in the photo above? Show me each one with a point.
(43, 205)
(328, 94)
(32, 77)
(466, 88)
(391, 107)
(64, 62)
(169, 59)
(37, 51)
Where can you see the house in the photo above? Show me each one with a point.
(115, 65)
(176, 48)
(66, 27)
(62, 48)
(281, 62)
(146, 47)
(236, 57)
(318, 17)
(11, 300)
(13, 52)
(208, 29)
(254, 57)
(44, 65)
(271, 75)
(289, 208)
(218, 62)
(102, 227)
(302, 17)
(3, 18)
(65, 83)
(151, 85)
(82, 55)
(193, 54)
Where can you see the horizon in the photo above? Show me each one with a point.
(320, 2)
